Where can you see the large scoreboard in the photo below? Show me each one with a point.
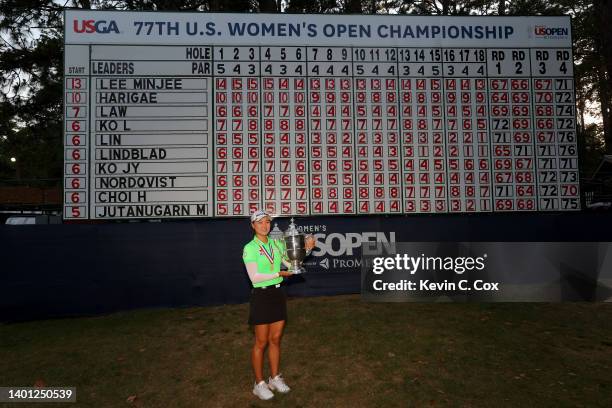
(171, 115)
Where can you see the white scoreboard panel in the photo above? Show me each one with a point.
(216, 115)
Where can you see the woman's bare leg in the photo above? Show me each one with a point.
(261, 341)
(274, 339)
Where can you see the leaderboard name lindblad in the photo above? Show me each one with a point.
(427, 285)
(133, 153)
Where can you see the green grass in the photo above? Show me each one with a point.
(337, 352)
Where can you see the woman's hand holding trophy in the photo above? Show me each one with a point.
(310, 242)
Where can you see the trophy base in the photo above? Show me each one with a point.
(297, 271)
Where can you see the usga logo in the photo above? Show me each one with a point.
(93, 26)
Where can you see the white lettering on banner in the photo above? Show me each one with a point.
(346, 263)
(337, 244)
(306, 229)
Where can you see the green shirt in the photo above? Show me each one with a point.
(253, 253)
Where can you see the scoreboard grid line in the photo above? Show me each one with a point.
(213, 136)
(262, 170)
(354, 134)
(490, 140)
(579, 142)
(90, 129)
(307, 138)
(445, 138)
(97, 44)
(400, 135)
(533, 132)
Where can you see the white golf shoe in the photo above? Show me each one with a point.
(262, 391)
(278, 384)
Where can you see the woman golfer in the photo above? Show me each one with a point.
(268, 308)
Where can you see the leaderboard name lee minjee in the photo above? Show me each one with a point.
(316, 121)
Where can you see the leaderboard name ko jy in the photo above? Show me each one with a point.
(220, 130)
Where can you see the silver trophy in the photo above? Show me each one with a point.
(295, 244)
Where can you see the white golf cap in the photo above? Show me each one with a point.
(258, 215)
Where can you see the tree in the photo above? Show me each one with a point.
(332, 6)
(31, 91)
(446, 7)
(313, 7)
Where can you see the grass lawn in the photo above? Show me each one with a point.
(337, 352)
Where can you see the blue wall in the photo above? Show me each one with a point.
(68, 270)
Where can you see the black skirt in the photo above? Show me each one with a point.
(268, 305)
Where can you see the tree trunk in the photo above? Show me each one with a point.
(445, 7)
(18, 170)
(603, 8)
(581, 106)
(604, 99)
(501, 9)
